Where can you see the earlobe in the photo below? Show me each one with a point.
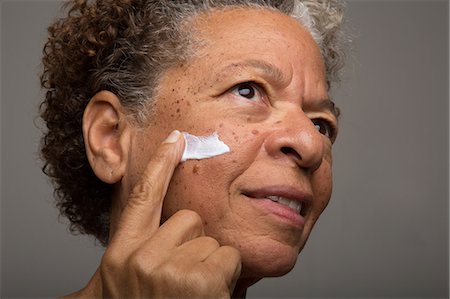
(106, 137)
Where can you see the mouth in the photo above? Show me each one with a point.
(284, 201)
(291, 203)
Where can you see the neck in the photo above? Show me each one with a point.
(240, 290)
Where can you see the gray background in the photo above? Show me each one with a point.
(385, 232)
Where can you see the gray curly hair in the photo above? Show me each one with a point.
(125, 46)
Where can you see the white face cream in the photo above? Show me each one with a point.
(202, 147)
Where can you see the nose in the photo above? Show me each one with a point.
(296, 139)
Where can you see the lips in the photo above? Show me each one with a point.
(287, 196)
(293, 204)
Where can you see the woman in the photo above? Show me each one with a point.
(125, 77)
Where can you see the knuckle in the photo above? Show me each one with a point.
(210, 242)
(137, 261)
(141, 190)
(195, 281)
(203, 281)
(145, 270)
(111, 261)
(169, 270)
(168, 273)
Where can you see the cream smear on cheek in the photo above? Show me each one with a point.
(202, 147)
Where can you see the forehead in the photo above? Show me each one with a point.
(253, 30)
(239, 34)
(250, 45)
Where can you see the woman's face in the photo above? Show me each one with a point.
(259, 81)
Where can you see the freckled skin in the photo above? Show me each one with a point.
(254, 130)
(195, 169)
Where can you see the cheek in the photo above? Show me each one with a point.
(205, 185)
(322, 184)
(171, 113)
(197, 186)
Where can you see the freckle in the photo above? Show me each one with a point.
(278, 122)
(173, 89)
(255, 132)
(221, 125)
(188, 103)
(172, 115)
(205, 223)
(249, 118)
(195, 169)
(185, 188)
(178, 101)
(233, 133)
(189, 202)
(236, 138)
(178, 110)
(233, 161)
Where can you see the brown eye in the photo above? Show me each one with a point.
(324, 127)
(247, 90)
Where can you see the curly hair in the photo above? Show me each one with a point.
(124, 46)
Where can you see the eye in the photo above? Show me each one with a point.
(248, 90)
(324, 127)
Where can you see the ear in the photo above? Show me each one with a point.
(106, 136)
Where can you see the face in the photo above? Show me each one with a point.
(259, 81)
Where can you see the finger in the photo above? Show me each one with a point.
(142, 213)
(183, 226)
(228, 260)
(197, 250)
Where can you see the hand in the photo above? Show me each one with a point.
(176, 259)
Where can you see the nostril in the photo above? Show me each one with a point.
(287, 150)
(290, 152)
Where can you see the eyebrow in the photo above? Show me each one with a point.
(267, 68)
(329, 105)
(276, 73)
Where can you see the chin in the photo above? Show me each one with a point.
(272, 259)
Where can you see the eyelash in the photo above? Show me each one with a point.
(330, 129)
(257, 90)
(253, 88)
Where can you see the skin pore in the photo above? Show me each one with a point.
(259, 81)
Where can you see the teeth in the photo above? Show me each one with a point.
(273, 198)
(297, 206)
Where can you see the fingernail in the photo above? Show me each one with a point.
(173, 137)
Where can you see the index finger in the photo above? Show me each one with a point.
(142, 213)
